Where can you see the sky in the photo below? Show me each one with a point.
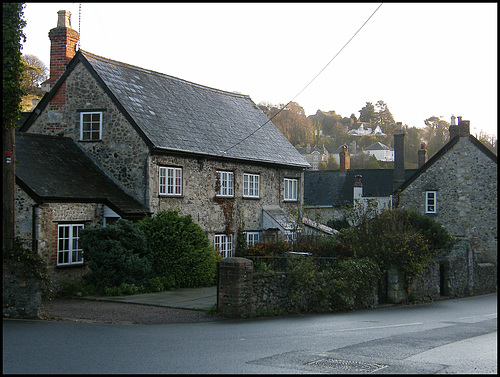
(421, 59)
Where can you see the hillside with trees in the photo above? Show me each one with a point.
(331, 130)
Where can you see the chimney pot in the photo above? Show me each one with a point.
(358, 181)
(63, 19)
(453, 121)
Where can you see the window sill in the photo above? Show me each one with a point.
(64, 266)
(170, 196)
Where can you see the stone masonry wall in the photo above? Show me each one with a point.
(21, 294)
(47, 217)
(121, 152)
(466, 183)
(217, 215)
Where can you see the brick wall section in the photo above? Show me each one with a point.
(466, 183)
(234, 297)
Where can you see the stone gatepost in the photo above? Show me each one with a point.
(235, 286)
(396, 292)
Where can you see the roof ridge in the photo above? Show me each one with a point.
(149, 71)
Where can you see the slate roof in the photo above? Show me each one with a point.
(378, 146)
(332, 188)
(56, 169)
(176, 115)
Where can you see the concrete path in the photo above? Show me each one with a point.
(182, 298)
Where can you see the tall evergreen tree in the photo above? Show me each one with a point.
(13, 23)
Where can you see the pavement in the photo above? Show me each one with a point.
(182, 298)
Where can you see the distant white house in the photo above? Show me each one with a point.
(380, 151)
(362, 131)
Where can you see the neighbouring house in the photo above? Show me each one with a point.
(113, 140)
(380, 151)
(457, 187)
(333, 194)
(314, 156)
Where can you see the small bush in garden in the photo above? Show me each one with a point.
(267, 249)
(116, 254)
(161, 283)
(76, 288)
(181, 250)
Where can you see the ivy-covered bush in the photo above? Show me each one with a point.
(401, 238)
(181, 250)
(344, 286)
(116, 254)
(265, 249)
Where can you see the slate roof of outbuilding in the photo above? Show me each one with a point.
(56, 169)
(177, 115)
(332, 188)
(378, 146)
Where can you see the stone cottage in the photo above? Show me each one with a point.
(162, 143)
(457, 187)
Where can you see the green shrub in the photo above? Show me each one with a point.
(116, 254)
(76, 288)
(267, 249)
(400, 238)
(31, 262)
(181, 250)
(161, 283)
(345, 286)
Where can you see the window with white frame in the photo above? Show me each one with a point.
(225, 180)
(68, 251)
(430, 202)
(251, 185)
(291, 188)
(170, 181)
(91, 125)
(252, 238)
(224, 245)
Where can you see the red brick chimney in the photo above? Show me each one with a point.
(423, 155)
(63, 41)
(345, 159)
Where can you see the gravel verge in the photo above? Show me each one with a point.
(82, 310)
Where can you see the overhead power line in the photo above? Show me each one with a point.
(310, 82)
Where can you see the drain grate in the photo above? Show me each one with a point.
(347, 365)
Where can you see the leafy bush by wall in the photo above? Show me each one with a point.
(116, 254)
(181, 250)
(400, 238)
(345, 286)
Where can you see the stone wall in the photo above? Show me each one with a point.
(218, 215)
(43, 219)
(121, 152)
(466, 183)
(242, 292)
(21, 294)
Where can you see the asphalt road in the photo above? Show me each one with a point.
(449, 336)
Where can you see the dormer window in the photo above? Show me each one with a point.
(91, 126)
